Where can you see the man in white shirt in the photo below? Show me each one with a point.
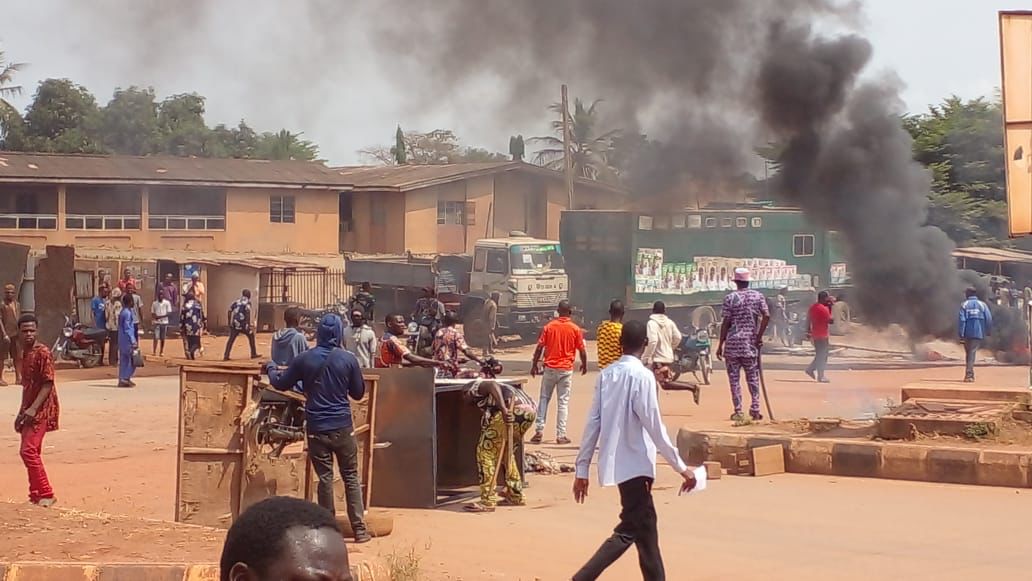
(626, 405)
(360, 340)
(664, 337)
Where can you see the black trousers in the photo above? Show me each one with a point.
(970, 354)
(193, 345)
(233, 334)
(113, 348)
(322, 448)
(820, 357)
(638, 527)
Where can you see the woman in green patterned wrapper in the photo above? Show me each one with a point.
(506, 410)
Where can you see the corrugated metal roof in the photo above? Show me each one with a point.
(325, 261)
(994, 254)
(403, 178)
(57, 168)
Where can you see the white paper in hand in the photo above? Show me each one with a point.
(700, 479)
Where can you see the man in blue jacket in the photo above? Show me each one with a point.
(329, 375)
(976, 323)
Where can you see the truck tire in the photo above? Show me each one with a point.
(842, 315)
(703, 317)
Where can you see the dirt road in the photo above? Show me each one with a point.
(115, 453)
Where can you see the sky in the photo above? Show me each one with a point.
(314, 71)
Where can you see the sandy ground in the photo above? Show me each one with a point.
(115, 454)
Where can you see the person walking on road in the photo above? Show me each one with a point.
(819, 320)
(329, 376)
(626, 425)
(191, 324)
(364, 301)
(608, 335)
(112, 312)
(160, 310)
(490, 317)
(664, 337)
(360, 340)
(10, 311)
(39, 410)
(560, 341)
(98, 306)
(128, 341)
(171, 289)
(240, 324)
(976, 323)
(746, 317)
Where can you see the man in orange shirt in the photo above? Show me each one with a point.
(560, 340)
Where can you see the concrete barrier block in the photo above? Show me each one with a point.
(141, 572)
(50, 572)
(202, 573)
(809, 457)
(693, 446)
(862, 460)
(999, 468)
(713, 470)
(905, 462)
(953, 465)
(768, 460)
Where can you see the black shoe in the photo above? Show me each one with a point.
(125, 384)
(810, 373)
(362, 535)
(756, 416)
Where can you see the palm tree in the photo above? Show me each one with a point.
(589, 152)
(8, 112)
(286, 146)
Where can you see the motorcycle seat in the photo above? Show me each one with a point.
(95, 334)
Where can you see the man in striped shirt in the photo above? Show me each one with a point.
(608, 336)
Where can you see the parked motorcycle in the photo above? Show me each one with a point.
(279, 421)
(693, 356)
(79, 343)
(310, 318)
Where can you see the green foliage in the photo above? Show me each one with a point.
(590, 147)
(398, 151)
(436, 147)
(517, 149)
(9, 116)
(129, 122)
(978, 430)
(64, 117)
(961, 143)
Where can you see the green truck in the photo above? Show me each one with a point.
(687, 259)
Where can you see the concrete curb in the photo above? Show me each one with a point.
(892, 460)
(46, 571)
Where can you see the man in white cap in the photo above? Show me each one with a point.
(746, 316)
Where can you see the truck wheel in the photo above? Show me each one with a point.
(703, 317)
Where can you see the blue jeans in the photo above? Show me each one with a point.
(559, 382)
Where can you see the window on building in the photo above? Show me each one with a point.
(497, 261)
(378, 211)
(480, 259)
(679, 221)
(741, 222)
(281, 209)
(726, 222)
(695, 221)
(711, 222)
(345, 212)
(457, 213)
(662, 223)
(757, 222)
(802, 245)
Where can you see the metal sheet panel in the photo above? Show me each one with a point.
(1016, 71)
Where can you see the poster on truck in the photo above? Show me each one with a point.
(648, 270)
(839, 274)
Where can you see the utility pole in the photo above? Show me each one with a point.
(567, 150)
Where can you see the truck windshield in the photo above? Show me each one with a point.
(536, 258)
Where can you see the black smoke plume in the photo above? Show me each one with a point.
(710, 80)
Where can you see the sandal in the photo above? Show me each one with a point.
(508, 500)
(478, 507)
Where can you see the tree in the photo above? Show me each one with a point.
(129, 122)
(961, 143)
(62, 118)
(517, 149)
(9, 116)
(181, 122)
(285, 145)
(589, 147)
(239, 142)
(398, 151)
(436, 147)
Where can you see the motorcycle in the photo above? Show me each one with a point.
(421, 338)
(278, 422)
(79, 343)
(693, 355)
(310, 318)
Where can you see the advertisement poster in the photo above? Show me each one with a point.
(648, 270)
(839, 273)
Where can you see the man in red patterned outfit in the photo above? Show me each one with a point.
(39, 409)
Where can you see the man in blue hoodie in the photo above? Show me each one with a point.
(289, 342)
(976, 323)
(329, 375)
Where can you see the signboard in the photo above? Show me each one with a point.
(713, 274)
(1016, 71)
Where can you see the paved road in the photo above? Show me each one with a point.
(116, 453)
